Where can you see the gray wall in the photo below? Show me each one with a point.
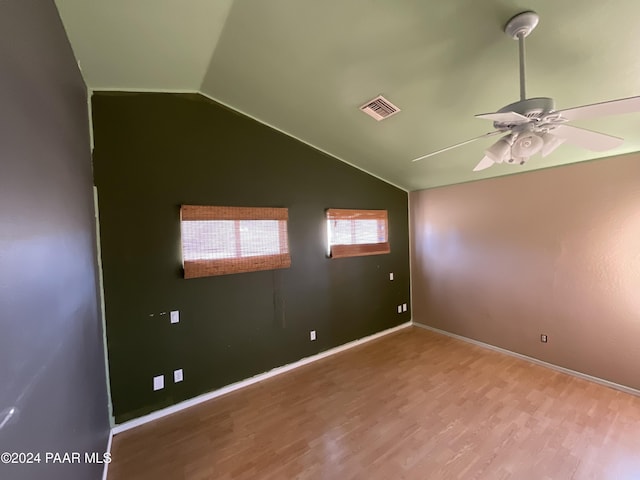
(51, 351)
(550, 252)
(154, 152)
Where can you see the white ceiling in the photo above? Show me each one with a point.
(305, 66)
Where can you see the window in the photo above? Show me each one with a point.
(224, 240)
(357, 232)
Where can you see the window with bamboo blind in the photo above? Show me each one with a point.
(225, 240)
(355, 233)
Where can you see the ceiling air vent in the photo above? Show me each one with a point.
(379, 108)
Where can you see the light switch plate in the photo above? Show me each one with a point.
(391, 276)
(312, 335)
(399, 308)
(404, 307)
(175, 316)
(178, 376)
(158, 382)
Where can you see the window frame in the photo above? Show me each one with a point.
(357, 249)
(196, 268)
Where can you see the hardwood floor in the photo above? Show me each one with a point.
(411, 405)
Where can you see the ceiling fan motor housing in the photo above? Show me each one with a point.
(532, 108)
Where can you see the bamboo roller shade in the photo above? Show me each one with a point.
(360, 249)
(267, 252)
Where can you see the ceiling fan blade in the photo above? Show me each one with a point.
(490, 134)
(594, 141)
(485, 163)
(504, 117)
(613, 107)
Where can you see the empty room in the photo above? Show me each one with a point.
(294, 239)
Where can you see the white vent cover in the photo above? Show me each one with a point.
(379, 108)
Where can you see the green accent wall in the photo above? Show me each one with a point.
(154, 152)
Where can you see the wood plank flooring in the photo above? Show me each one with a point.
(411, 405)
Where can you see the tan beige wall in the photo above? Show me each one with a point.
(555, 251)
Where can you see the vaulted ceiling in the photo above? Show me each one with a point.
(305, 67)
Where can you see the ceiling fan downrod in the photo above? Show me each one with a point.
(523, 91)
(519, 27)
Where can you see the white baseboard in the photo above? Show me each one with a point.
(584, 376)
(249, 381)
(105, 470)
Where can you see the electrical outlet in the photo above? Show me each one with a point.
(543, 338)
(158, 382)
(175, 316)
(404, 307)
(391, 276)
(399, 308)
(178, 376)
(312, 335)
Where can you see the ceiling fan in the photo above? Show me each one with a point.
(532, 125)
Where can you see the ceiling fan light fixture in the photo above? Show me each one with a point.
(501, 150)
(527, 145)
(551, 142)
